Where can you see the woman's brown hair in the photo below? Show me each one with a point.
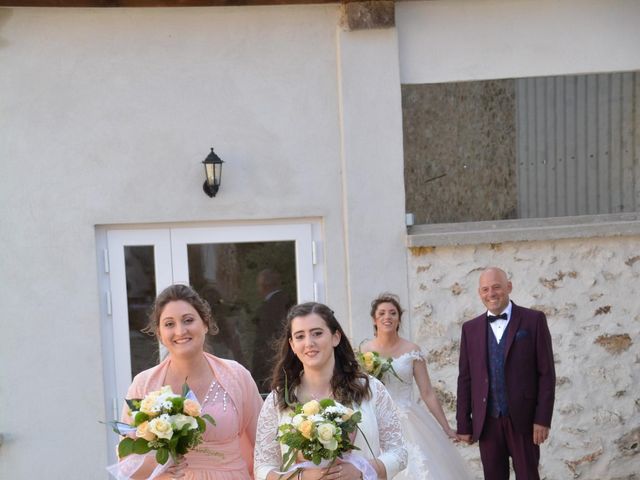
(348, 383)
(174, 293)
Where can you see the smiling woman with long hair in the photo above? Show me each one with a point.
(316, 361)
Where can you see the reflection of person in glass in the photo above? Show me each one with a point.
(180, 319)
(269, 320)
(228, 336)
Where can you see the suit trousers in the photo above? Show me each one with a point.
(498, 442)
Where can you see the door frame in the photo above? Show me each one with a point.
(171, 266)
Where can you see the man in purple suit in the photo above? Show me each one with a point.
(506, 381)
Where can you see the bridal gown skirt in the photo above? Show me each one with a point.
(432, 455)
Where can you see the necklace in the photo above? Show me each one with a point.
(326, 393)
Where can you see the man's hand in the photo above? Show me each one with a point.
(540, 434)
(465, 438)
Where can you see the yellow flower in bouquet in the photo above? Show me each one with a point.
(192, 408)
(306, 429)
(311, 407)
(142, 431)
(369, 361)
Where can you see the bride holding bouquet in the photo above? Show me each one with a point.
(432, 455)
(318, 396)
(223, 389)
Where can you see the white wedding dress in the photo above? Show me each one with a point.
(432, 455)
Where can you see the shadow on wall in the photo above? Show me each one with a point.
(5, 14)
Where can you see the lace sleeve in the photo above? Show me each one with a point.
(417, 355)
(392, 447)
(267, 454)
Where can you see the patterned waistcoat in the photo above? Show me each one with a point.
(498, 405)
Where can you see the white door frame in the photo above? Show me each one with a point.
(160, 239)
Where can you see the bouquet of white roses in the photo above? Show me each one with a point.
(170, 424)
(376, 365)
(318, 430)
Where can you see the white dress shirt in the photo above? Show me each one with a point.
(499, 326)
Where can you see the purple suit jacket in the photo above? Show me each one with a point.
(529, 372)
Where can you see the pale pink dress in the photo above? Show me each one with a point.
(234, 402)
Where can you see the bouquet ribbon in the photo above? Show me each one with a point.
(361, 463)
(124, 469)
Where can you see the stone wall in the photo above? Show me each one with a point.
(590, 292)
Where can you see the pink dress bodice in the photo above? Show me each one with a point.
(219, 405)
(218, 457)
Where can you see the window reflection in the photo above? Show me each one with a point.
(141, 292)
(250, 287)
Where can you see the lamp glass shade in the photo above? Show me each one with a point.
(210, 172)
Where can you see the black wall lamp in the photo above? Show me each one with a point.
(213, 171)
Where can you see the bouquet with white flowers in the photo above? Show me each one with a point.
(318, 430)
(164, 422)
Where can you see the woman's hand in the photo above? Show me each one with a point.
(340, 470)
(451, 433)
(178, 469)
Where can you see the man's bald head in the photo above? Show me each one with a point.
(494, 289)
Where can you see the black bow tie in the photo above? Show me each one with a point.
(493, 318)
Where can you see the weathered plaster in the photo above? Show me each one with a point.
(459, 148)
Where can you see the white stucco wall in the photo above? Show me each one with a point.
(449, 41)
(589, 290)
(370, 100)
(106, 115)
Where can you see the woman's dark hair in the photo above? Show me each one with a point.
(386, 297)
(174, 293)
(349, 384)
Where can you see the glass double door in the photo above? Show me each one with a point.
(249, 274)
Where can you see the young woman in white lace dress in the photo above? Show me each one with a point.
(429, 438)
(318, 362)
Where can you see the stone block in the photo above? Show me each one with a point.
(586, 459)
(446, 398)
(614, 344)
(629, 443)
(368, 15)
(631, 260)
(447, 355)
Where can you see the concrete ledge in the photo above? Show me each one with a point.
(500, 231)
